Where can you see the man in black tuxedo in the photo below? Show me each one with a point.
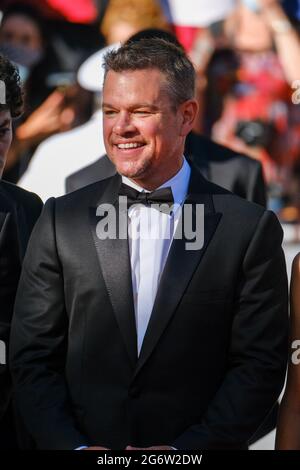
(238, 173)
(125, 340)
(19, 211)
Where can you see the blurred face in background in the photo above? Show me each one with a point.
(21, 41)
(20, 30)
(5, 136)
(248, 31)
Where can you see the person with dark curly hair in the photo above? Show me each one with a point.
(19, 211)
(11, 105)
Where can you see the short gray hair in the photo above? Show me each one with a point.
(156, 53)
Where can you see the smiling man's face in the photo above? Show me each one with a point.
(143, 133)
(5, 137)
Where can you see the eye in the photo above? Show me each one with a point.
(109, 112)
(142, 112)
(4, 131)
(26, 40)
(8, 35)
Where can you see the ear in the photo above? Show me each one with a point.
(188, 113)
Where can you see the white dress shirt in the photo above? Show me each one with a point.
(150, 234)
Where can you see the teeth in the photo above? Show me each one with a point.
(132, 145)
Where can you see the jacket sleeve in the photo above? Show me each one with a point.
(9, 277)
(39, 342)
(258, 349)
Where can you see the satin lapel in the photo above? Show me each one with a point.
(113, 255)
(179, 269)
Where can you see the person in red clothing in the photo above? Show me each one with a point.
(77, 11)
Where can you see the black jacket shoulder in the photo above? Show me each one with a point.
(19, 195)
(30, 203)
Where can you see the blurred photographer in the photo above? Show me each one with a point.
(253, 62)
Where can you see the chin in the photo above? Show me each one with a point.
(128, 173)
(131, 170)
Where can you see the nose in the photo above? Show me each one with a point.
(123, 124)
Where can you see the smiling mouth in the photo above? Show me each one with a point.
(131, 145)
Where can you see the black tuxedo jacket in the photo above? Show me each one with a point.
(214, 355)
(19, 211)
(238, 173)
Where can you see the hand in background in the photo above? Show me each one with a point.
(50, 117)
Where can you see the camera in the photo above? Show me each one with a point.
(255, 133)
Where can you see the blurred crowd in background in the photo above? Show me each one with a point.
(248, 86)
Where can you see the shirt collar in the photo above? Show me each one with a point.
(179, 183)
